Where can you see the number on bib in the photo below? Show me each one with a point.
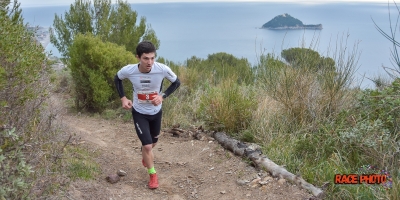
(146, 97)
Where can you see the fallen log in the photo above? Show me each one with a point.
(253, 152)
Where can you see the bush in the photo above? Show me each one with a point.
(93, 66)
(311, 88)
(14, 169)
(25, 122)
(227, 107)
(220, 66)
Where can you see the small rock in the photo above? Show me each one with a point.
(228, 172)
(248, 195)
(113, 178)
(256, 180)
(254, 183)
(223, 192)
(121, 173)
(242, 182)
(281, 181)
(267, 179)
(263, 182)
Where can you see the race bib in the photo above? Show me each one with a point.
(146, 96)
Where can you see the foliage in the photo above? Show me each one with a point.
(220, 66)
(307, 58)
(112, 23)
(24, 121)
(80, 164)
(14, 169)
(368, 133)
(227, 107)
(382, 105)
(93, 66)
(282, 21)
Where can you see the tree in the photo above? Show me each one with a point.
(112, 23)
(307, 58)
(93, 65)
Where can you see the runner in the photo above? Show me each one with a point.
(146, 77)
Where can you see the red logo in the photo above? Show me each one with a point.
(359, 179)
(367, 175)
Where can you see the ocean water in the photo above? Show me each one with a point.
(200, 29)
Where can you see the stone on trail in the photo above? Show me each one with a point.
(113, 178)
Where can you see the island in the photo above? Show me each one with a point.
(286, 21)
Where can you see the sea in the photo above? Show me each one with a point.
(200, 29)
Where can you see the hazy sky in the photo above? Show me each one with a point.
(29, 3)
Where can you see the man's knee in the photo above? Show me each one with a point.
(148, 147)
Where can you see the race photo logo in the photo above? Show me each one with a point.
(366, 174)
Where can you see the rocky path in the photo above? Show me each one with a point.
(187, 168)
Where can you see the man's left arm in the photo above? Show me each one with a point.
(171, 88)
(160, 98)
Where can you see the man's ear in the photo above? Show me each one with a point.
(137, 56)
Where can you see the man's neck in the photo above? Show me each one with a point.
(142, 70)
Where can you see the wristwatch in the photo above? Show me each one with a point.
(163, 95)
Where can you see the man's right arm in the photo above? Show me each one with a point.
(126, 103)
(119, 86)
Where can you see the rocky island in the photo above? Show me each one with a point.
(286, 21)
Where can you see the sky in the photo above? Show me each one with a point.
(35, 3)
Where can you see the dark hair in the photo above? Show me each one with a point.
(145, 47)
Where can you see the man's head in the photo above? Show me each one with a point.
(145, 47)
(146, 53)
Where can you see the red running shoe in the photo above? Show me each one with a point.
(153, 184)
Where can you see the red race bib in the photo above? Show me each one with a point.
(146, 96)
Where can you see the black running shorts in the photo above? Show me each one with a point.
(147, 127)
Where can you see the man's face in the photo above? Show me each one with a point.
(146, 61)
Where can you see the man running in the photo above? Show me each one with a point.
(146, 77)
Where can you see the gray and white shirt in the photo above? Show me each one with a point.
(146, 85)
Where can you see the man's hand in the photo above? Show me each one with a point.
(157, 100)
(126, 103)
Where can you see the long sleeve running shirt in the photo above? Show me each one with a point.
(146, 85)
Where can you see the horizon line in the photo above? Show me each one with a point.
(224, 1)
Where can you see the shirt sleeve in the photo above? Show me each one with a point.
(169, 74)
(123, 72)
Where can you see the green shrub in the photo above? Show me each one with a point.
(220, 66)
(93, 66)
(382, 104)
(311, 88)
(25, 122)
(227, 107)
(14, 168)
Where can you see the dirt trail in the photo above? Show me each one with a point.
(187, 168)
